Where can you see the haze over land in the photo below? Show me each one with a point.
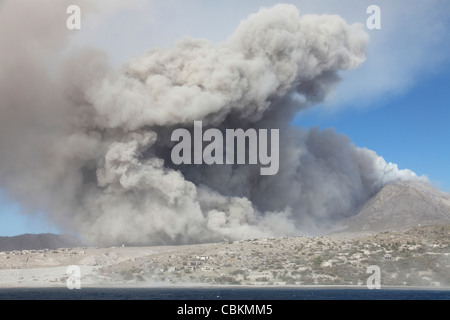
(417, 256)
(397, 207)
(89, 146)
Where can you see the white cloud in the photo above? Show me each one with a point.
(412, 43)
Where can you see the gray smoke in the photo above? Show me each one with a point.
(90, 146)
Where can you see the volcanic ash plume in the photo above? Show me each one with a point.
(90, 146)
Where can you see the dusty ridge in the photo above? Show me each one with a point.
(418, 257)
(399, 207)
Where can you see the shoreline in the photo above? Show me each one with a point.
(406, 261)
(230, 287)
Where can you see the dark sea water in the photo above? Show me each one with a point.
(219, 294)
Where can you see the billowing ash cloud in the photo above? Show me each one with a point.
(90, 146)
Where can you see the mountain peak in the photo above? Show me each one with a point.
(400, 206)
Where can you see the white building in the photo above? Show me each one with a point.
(207, 268)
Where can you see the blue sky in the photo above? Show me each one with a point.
(14, 223)
(411, 129)
(397, 103)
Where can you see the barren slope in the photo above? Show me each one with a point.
(401, 206)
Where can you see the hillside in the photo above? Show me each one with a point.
(401, 206)
(38, 242)
(418, 257)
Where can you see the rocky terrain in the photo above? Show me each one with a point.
(399, 207)
(404, 230)
(418, 257)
